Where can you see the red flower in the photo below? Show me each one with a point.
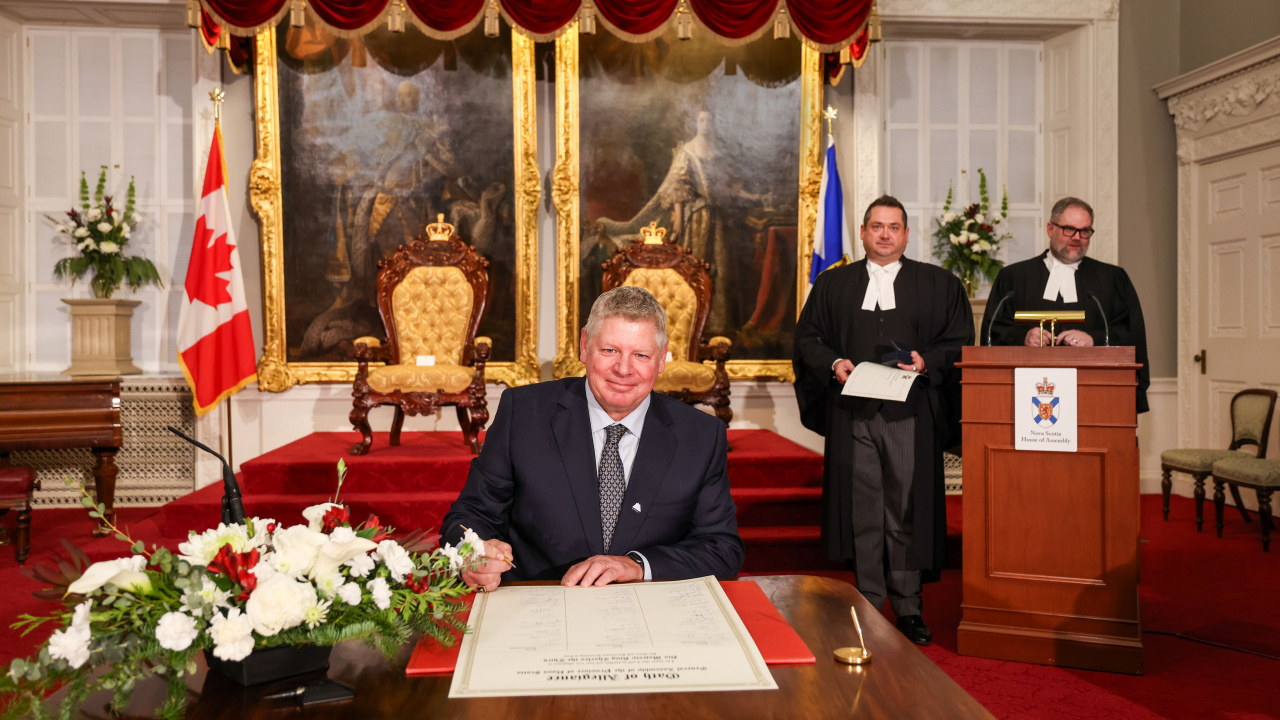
(379, 530)
(988, 228)
(335, 517)
(238, 568)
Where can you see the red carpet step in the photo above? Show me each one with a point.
(774, 481)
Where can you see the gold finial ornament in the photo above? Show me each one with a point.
(830, 116)
(217, 96)
(439, 230)
(653, 235)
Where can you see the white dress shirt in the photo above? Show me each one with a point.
(627, 444)
(1062, 279)
(880, 286)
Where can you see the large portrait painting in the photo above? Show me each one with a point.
(378, 135)
(706, 140)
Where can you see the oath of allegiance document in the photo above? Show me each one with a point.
(872, 380)
(639, 637)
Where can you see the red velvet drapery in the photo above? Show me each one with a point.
(827, 25)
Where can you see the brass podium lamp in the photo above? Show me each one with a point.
(1053, 317)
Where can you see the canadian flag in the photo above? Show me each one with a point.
(215, 339)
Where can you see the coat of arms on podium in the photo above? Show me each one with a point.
(1046, 404)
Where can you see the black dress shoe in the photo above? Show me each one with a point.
(914, 628)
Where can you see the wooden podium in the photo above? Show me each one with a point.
(1051, 538)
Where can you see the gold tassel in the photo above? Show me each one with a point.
(395, 18)
(846, 55)
(297, 13)
(873, 22)
(781, 23)
(491, 20)
(224, 40)
(684, 23)
(587, 18)
(193, 13)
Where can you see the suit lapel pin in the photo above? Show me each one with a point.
(636, 507)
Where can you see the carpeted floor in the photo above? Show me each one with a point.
(1208, 590)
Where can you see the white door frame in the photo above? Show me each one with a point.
(1227, 108)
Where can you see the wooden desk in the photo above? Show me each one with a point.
(49, 412)
(899, 683)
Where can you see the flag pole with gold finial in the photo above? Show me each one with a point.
(217, 96)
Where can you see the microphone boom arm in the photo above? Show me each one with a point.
(232, 504)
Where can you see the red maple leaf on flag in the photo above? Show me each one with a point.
(208, 259)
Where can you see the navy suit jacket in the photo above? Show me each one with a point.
(535, 486)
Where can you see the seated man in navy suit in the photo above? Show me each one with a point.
(598, 480)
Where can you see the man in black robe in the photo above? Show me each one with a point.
(1062, 278)
(882, 490)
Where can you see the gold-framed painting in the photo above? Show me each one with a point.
(720, 145)
(361, 141)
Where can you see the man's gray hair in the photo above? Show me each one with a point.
(1066, 202)
(630, 302)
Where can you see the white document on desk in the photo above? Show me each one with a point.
(676, 636)
(880, 382)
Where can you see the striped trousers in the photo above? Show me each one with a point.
(883, 464)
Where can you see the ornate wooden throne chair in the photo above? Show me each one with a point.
(682, 285)
(431, 294)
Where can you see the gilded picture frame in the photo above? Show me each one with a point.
(566, 186)
(276, 373)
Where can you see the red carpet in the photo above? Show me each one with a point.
(1209, 590)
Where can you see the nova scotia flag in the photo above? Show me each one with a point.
(831, 235)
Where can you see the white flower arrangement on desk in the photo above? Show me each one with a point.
(967, 241)
(232, 590)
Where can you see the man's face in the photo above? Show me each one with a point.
(623, 360)
(1066, 245)
(884, 237)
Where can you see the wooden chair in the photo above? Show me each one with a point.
(1251, 412)
(682, 286)
(1261, 475)
(431, 295)
(17, 488)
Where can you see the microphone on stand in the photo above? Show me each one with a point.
(1106, 326)
(232, 505)
(992, 327)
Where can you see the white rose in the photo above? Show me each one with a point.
(201, 548)
(109, 247)
(104, 227)
(94, 214)
(315, 515)
(350, 593)
(70, 645)
(361, 565)
(381, 593)
(176, 631)
(955, 239)
(984, 245)
(342, 534)
(80, 232)
(232, 635)
(125, 573)
(278, 604)
(979, 218)
(395, 558)
(948, 217)
(296, 550)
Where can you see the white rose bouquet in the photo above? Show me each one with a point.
(967, 241)
(100, 233)
(230, 591)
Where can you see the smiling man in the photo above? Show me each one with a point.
(598, 480)
(882, 485)
(1062, 278)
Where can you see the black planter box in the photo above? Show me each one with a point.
(271, 664)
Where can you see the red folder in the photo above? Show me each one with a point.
(777, 640)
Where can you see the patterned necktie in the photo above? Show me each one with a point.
(613, 481)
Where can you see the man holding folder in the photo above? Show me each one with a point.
(883, 510)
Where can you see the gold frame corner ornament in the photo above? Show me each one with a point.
(566, 199)
(275, 372)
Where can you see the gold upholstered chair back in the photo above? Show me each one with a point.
(682, 285)
(431, 294)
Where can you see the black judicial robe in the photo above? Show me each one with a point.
(935, 319)
(1108, 283)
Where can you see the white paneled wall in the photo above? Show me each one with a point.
(119, 98)
(955, 107)
(12, 246)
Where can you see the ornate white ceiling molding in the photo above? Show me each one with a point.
(1238, 95)
(1022, 10)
